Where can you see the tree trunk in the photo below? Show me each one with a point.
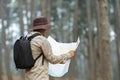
(117, 28)
(48, 14)
(32, 14)
(75, 36)
(105, 41)
(4, 45)
(26, 14)
(117, 14)
(75, 24)
(0, 61)
(20, 3)
(98, 57)
(44, 7)
(6, 52)
(118, 52)
(48, 10)
(90, 43)
(1, 69)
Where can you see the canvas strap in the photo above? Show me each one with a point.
(30, 38)
(34, 35)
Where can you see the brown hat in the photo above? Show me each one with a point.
(41, 23)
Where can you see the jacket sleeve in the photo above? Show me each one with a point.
(47, 51)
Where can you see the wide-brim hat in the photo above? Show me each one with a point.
(41, 23)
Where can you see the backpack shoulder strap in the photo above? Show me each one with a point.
(34, 35)
(42, 58)
(30, 38)
(39, 56)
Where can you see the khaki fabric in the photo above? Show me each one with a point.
(40, 44)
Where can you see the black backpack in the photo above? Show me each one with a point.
(23, 54)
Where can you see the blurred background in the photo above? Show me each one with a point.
(96, 22)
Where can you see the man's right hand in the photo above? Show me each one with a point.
(72, 53)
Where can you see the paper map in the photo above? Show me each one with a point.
(59, 70)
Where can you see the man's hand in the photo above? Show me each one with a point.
(72, 53)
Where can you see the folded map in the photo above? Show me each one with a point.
(59, 70)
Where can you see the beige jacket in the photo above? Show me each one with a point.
(39, 71)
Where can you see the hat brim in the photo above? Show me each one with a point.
(46, 27)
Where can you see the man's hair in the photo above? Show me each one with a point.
(36, 30)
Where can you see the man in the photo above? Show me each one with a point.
(40, 45)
